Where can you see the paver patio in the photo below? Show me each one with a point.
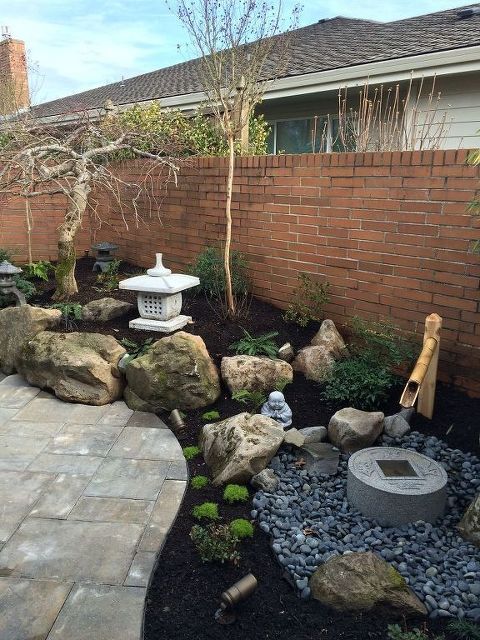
(87, 496)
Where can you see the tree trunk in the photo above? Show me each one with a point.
(228, 231)
(65, 271)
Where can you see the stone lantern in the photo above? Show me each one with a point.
(7, 282)
(104, 255)
(159, 298)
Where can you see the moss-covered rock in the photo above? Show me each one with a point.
(77, 367)
(176, 373)
(470, 523)
(239, 447)
(17, 326)
(364, 582)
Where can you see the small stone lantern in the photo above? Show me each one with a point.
(7, 282)
(159, 298)
(104, 255)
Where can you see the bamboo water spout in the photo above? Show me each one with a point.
(422, 381)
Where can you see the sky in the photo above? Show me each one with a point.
(78, 45)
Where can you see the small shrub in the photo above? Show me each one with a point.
(395, 632)
(71, 312)
(206, 511)
(253, 399)
(365, 379)
(263, 345)
(199, 482)
(215, 543)
(281, 384)
(310, 299)
(40, 269)
(5, 255)
(235, 493)
(359, 383)
(241, 528)
(108, 280)
(210, 416)
(210, 269)
(135, 349)
(465, 630)
(190, 452)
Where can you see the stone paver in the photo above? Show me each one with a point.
(69, 550)
(137, 479)
(29, 607)
(95, 612)
(146, 444)
(141, 569)
(87, 496)
(79, 439)
(19, 491)
(112, 510)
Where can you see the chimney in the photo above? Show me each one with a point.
(14, 92)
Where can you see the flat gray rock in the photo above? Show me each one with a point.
(320, 458)
(396, 426)
(16, 397)
(96, 612)
(28, 608)
(30, 429)
(314, 434)
(266, 480)
(69, 550)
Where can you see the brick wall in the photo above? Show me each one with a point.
(389, 231)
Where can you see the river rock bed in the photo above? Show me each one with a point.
(310, 521)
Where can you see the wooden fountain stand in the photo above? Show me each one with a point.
(423, 379)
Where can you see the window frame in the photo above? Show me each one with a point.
(329, 145)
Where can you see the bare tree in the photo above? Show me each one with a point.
(38, 160)
(242, 46)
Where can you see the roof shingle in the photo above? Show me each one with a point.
(328, 44)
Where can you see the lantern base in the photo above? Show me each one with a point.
(163, 326)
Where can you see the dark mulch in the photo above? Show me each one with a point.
(184, 593)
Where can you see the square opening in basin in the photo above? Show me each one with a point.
(397, 469)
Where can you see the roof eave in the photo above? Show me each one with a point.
(438, 63)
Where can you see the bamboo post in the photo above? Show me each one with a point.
(426, 395)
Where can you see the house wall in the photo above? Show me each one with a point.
(389, 231)
(458, 106)
(460, 99)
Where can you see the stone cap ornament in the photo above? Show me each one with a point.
(396, 486)
(8, 285)
(159, 298)
(278, 409)
(104, 255)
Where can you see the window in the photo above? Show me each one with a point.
(304, 135)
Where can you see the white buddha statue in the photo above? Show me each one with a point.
(278, 409)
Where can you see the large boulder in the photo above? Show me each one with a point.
(329, 338)
(364, 582)
(176, 373)
(351, 429)
(77, 367)
(239, 447)
(105, 309)
(469, 525)
(315, 362)
(255, 373)
(17, 326)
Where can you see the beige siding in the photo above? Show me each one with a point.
(460, 100)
